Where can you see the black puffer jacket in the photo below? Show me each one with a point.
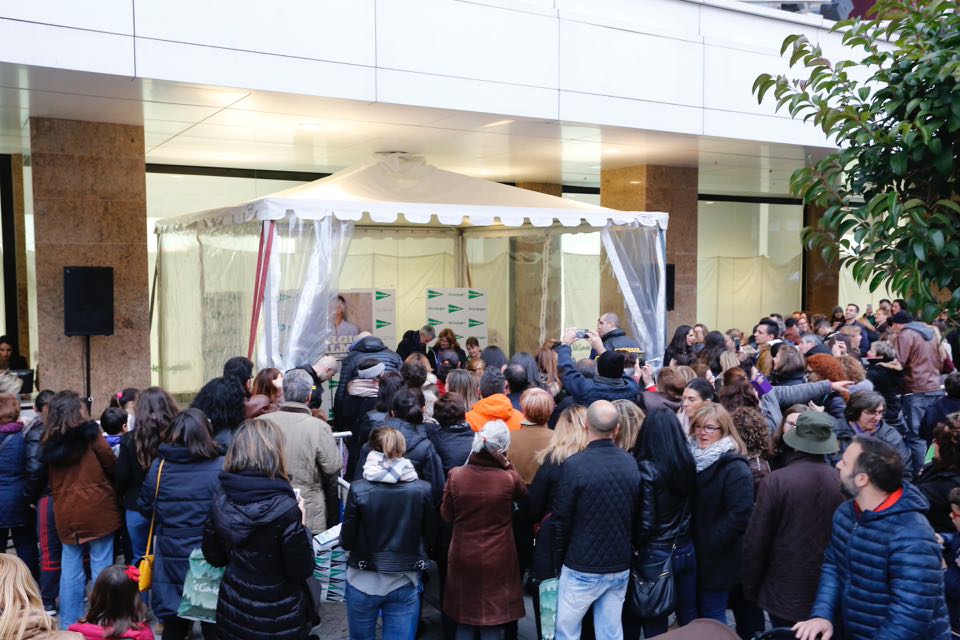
(935, 484)
(665, 515)
(452, 444)
(255, 530)
(618, 340)
(887, 382)
(386, 526)
(369, 347)
(37, 484)
(721, 512)
(129, 475)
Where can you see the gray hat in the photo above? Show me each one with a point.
(813, 434)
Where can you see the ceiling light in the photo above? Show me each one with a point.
(498, 123)
(636, 182)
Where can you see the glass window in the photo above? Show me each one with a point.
(749, 262)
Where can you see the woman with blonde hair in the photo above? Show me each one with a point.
(21, 610)
(537, 406)
(256, 530)
(631, 420)
(466, 384)
(569, 438)
(721, 508)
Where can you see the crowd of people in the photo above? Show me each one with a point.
(802, 476)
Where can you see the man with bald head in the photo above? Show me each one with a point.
(597, 499)
(612, 337)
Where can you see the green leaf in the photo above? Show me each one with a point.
(898, 163)
(936, 236)
(788, 41)
(919, 250)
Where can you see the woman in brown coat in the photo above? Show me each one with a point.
(483, 591)
(84, 502)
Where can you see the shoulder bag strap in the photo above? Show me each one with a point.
(153, 518)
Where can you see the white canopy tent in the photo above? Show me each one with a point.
(281, 256)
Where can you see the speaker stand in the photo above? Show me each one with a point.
(88, 396)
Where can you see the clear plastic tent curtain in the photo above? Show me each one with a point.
(637, 256)
(205, 297)
(301, 284)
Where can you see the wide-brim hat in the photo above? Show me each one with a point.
(813, 434)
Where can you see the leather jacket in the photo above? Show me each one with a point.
(386, 527)
(663, 514)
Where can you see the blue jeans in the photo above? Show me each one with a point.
(400, 610)
(73, 582)
(138, 528)
(578, 590)
(915, 405)
(713, 604)
(684, 567)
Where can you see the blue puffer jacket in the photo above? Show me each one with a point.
(881, 574)
(13, 475)
(587, 390)
(187, 485)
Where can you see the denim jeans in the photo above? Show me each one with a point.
(713, 604)
(50, 550)
(400, 610)
(684, 567)
(138, 528)
(915, 405)
(578, 590)
(73, 582)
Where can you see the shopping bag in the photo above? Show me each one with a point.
(330, 567)
(200, 590)
(548, 608)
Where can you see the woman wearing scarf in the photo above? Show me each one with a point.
(389, 516)
(483, 593)
(721, 508)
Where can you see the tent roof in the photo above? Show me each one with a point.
(390, 185)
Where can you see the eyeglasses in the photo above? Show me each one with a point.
(875, 412)
(709, 428)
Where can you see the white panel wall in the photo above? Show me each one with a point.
(670, 65)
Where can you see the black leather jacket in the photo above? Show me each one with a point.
(386, 526)
(37, 484)
(664, 516)
(618, 340)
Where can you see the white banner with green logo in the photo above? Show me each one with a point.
(463, 310)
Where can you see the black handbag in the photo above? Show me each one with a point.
(652, 592)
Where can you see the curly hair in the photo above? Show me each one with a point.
(947, 436)
(828, 368)
(753, 430)
(738, 394)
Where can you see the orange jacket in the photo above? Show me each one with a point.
(495, 407)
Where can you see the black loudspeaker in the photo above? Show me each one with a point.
(671, 280)
(88, 301)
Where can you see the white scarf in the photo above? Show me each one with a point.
(389, 470)
(706, 457)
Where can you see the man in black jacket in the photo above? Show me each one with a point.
(593, 520)
(366, 346)
(613, 337)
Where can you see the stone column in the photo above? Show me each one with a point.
(89, 202)
(672, 190)
(821, 289)
(527, 282)
(20, 240)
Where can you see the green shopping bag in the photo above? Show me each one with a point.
(200, 590)
(548, 608)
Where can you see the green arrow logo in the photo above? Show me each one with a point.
(432, 322)
(382, 323)
(380, 295)
(471, 294)
(433, 294)
(452, 307)
(474, 323)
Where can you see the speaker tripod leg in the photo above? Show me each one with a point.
(88, 398)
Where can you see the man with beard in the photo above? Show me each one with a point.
(881, 577)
